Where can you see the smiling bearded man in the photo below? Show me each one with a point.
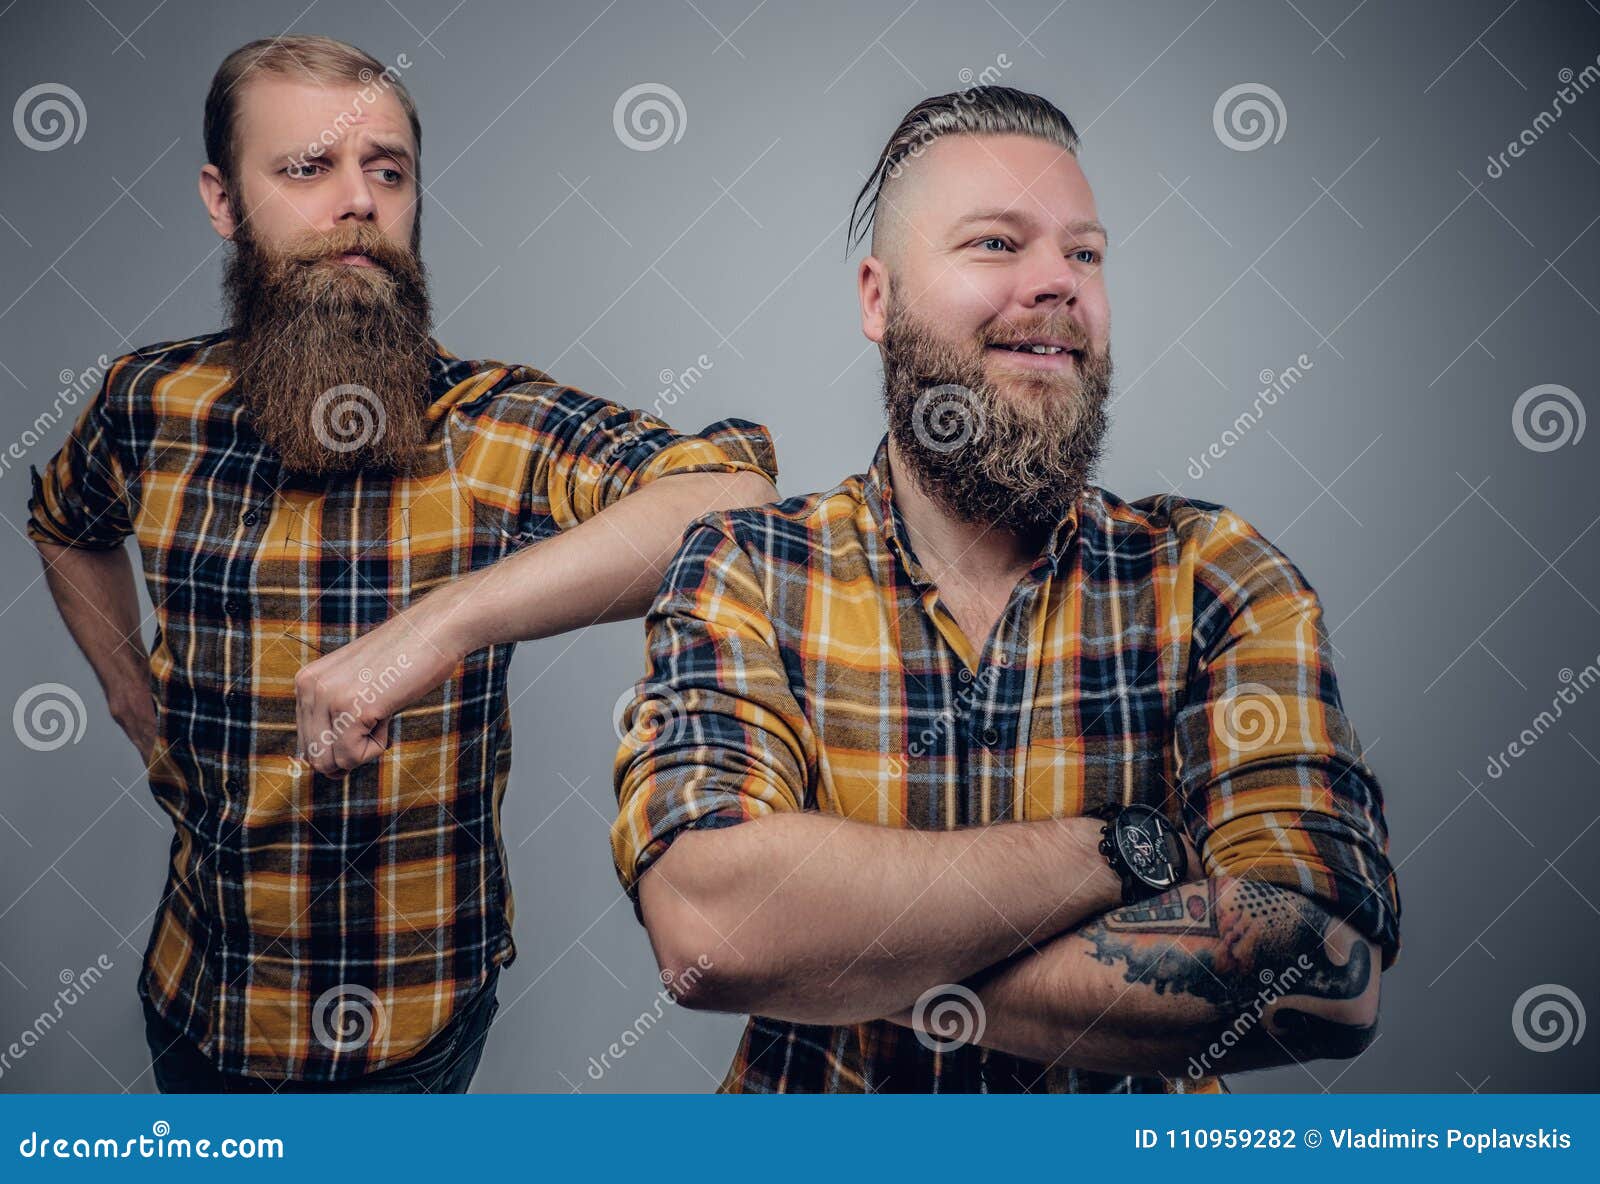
(905, 714)
(1017, 458)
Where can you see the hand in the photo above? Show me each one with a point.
(343, 700)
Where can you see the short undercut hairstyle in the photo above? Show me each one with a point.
(976, 111)
(304, 57)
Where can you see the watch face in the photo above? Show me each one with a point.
(1143, 845)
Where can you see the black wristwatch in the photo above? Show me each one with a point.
(1143, 848)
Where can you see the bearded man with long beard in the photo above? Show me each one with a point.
(334, 516)
(968, 775)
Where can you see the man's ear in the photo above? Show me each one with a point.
(219, 206)
(872, 284)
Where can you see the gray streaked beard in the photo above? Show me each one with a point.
(1017, 460)
(331, 360)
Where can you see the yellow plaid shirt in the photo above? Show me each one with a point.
(319, 927)
(1158, 651)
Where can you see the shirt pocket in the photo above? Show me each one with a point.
(1054, 778)
(436, 537)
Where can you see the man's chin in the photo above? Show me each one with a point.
(350, 282)
(1027, 391)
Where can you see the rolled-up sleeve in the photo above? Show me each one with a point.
(82, 497)
(1273, 775)
(585, 453)
(714, 735)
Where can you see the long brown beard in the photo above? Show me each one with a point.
(331, 360)
(1017, 459)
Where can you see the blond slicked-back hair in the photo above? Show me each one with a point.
(976, 111)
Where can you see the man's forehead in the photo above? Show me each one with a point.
(1024, 177)
(276, 108)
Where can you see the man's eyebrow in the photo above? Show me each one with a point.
(1017, 218)
(392, 148)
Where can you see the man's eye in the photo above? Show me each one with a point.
(300, 170)
(391, 176)
(1000, 244)
(1092, 255)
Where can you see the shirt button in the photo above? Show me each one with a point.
(231, 607)
(251, 518)
(232, 785)
(990, 737)
(232, 698)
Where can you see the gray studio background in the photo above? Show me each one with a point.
(1454, 547)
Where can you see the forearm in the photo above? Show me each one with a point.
(817, 919)
(605, 569)
(95, 593)
(1152, 988)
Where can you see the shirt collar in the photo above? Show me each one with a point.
(879, 486)
(444, 370)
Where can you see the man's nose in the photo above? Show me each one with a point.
(1047, 278)
(355, 197)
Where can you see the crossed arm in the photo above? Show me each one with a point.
(816, 919)
(1216, 968)
(805, 916)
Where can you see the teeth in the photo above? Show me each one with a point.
(1026, 348)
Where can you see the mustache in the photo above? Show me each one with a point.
(1062, 329)
(362, 238)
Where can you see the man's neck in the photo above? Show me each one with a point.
(975, 566)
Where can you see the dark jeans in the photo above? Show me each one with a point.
(444, 1066)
